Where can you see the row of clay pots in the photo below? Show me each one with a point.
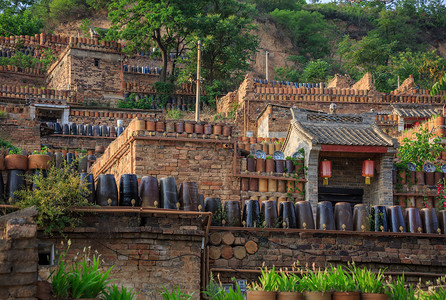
(310, 91)
(268, 148)
(412, 99)
(264, 295)
(270, 166)
(87, 130)
(418, 177)
(313, 98)
(188, 127)
(34, 71)
(258, 140)
(26, 90)
(417, 201)
(24, 162)
(271, 185)
(106, 114)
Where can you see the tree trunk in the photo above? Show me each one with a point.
(164, 70)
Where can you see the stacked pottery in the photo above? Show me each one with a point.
(251, 213)
(188, 196)
(324, 216)
(214, 205)
(343, 216)
(396, 219)
(269, 213)
(361, 220)
(287, 215)
(106, 190)
(168, 193)
(128, 190)
(232, 213)
(379, 218)
(149, 192)
(304, 215)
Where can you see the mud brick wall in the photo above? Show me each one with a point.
(21, 79)
(21, 133)
(146, 252)
(141, 79)
(274, 122)
(59, 74)
(18, 255)
(401, 252)
(72, 142)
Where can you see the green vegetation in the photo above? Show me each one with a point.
(175, 294)
(174, 114)
(27, 61)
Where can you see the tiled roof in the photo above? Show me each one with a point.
(414, 111)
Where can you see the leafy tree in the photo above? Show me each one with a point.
(439, 86)
(316, 71)
(287, 73)
(266, 6)
(24, 23)
(15, 6)
(309, 31)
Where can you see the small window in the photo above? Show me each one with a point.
(96, 62)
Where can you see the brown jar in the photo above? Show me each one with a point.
(270, 165)
(170, 127)
(217, 129)
(208, 129)
(244, 186)
(189, 127)
(198, 128)
(260, 165)
(254, 184)
(159, 126)
(179, 127)
(226, 130)
(150, 125)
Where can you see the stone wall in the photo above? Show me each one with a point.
(147, 250)
(274, 121)
(74, 142)
(18, 255)
(21, 78)
(59, 74)
(414, 254)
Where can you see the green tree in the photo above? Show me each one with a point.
(439, 86)
(309, 31)
(266, 6)
(316, 71)
(23, 23)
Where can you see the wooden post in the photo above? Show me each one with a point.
(197, 100)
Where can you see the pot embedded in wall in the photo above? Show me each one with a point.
(96, 130)
(343, 216)
(16, 162)
(361, 218)
(324, 216)
(188, 196)
(217, 130)
(198, 128)
(430, 178)
(104, 130)
(83, 162)
(271, 149)
(260, 165)
(128, 190)
(263, 185)
(73, 129)
(272, 185)
(299, 168)
(396, 219)
(269, 213)
(150, 125)
(287, 215)
(413, 220)
(112, 131)
(99, 149)
(251, 213)
(232, 213)
(208, 129)
(214, 205)
(170, 127)
(149, 192)
(189, 127)
(88, 180)
(106, 190)
(260, 295)
(66, 129)
(89, 130)
(179, 127)
(168, 193)
(419, 177)
(15, 181)
(81, 129)
(281, 186)
(251, 164)
(244, 184)
(254, 184)
(140, 125)
(304, 215)
(227, 130)
(429, 220)
(289, 166)
(270, 165)
(39, 161)
(379, 218)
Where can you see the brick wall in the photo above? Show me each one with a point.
(414, 254)
(21, 133)
(21, 78)
(71, 142)
(18, 255)
(274, 122)
(59, 74)
(109, 117)
(146, 251)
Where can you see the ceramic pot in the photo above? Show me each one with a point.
(287, 215)
(254, 184)
(369, 296)
(430, 178)
(73, 129)
(81, 129)
(270, 166)
(16, 162)
(207, 129)
(263, 185)
(442, 220)
(317, 296)
(324, 216)
(346, 296)
(251, 213)
(39, 161)
(188, 196)
(106, 190)
(198, 128)
(160, 127)
(217, 130)
(89, 130)
(269, 213)
(343, 216)
(280, 166)
(15, 181)
(289, 296)
(429, 220)
(149, 192)
(168, 193)
(150, 125)
(232, 212)
(83, 163)
(96, 130)
(361, 219)
(88, 180)
(379, 218)
(260, 295)
(214, 205)
(304, 215)
(226, 131)
(413, 220)
(289, 166)
(396, 219)
(251, 164)
(179, 127)
(189, 127)
(244, 184)
(260, 165)
(128, 190)
(66, 129)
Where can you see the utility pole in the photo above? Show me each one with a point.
(267, 77)
(197, 100)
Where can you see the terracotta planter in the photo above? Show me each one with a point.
(179, 127)
(289, 296)
(317, 296)
(150, 125)
(260, 165)
(368, 296)
(159, 126)
(346, 296)
(16, 162)
(217, 129)
(198, 128)
(189, 127)
(39, 161)
(140, 125)
(260, 295)
(270, 165)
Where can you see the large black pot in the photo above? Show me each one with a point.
(119, 131)
(70, 157)
(88, 180)
(168, 193)
(37, 173)
(287, 215)
(429, 220)
(396, 219)
(73, 129)
(304, 215)
(214, 205)
(413, 220)
(378, 220)
(83, 163)
(14, 182)
(128, 190)
(66, 129)
(89, 130)
(343, 216)
(251, 213)
(81, 129)
(232, 213)
(269, 213)
(106, 190)
(188, 196)
(361, 217)
(149, 192)
(57, 128)
(97, 130)
(104, 130)
(324, 216)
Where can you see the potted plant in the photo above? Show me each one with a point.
(288, 286)
(251, 163)
(344, 286)
(398, 290)
(270, 164)
(15, 160)
(267, 289)
(370, 284)
(39, 159)
(289, 166)
(316, 285)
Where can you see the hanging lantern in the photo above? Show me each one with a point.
(325, 171)
(368, 170)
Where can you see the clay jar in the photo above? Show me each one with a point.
(343, 216)
(16, 162)
(226, 130)
(263, 185)
(254, 184)
(15, 181)
(189, 127)
(214, 205)
(346, 296)
(269, 212)
(149, 192)
(188, 196)
(251, 164)
(396, 219)
(251, 213)
(88, 180)
(289, 167)
(430, 178)
(304, 215)
(168, 193)
(379, 218)
(361, 218)
(179, 127)
(324, 216)
(217, 129)
(260, 295)
(244, 184)
(442, 220)
(420, 177)
(106, 190)
(260, 165)
(232, 212)
(270, 165)
(150, 125)
(159, 126)
(198, 128)
(429, 220)
(280, 166)
(287, 214)
(170, 127)
(208, 129)
(289, 296)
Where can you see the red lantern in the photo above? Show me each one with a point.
(368, 170)
(325, 171)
